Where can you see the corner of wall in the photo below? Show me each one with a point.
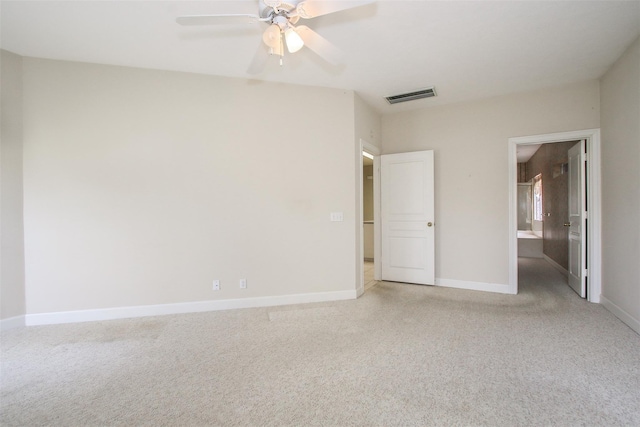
(12, 283)
(367, 122)
(619, 112)
(367, 127)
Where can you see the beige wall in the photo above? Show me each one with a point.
(620, 92)
(470, 144)
(12, 291)
(143, 186)
(367, 122)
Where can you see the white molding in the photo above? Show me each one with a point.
(594, 207)
(513, 215)
(360, 225)
(594, 253)
(555, 137)
(474, 286)
(181, 308)
(557, 266)
(12, 323)
(377, 221)
(632, 322)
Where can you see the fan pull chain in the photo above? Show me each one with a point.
(281, 47)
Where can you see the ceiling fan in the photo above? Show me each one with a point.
(281, 17)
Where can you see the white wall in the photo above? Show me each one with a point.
(471, 162)
(620, 116)
(367, 122)
(12, 290)
(141, 187)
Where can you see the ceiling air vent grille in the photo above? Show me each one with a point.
(410, 96)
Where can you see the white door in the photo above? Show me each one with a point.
(577, 218)
(407, 211)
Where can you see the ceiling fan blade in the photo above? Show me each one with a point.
(312, 8)
(259, 60)
(321, 46)
(217, 19)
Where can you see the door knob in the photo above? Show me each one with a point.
(567, 224)
(429, 224)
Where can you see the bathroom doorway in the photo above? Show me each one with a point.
(554, 213)
(543, 201)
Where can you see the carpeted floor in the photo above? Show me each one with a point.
(400, 355)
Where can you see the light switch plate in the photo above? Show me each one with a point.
(337, 216)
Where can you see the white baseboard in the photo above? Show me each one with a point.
(632, 322)
(180, 308)
(12, 323)
(474, 286)
(557, 266)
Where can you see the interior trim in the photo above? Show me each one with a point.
(625, 317)
(12, 323)
(181, 308)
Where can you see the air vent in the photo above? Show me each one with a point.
(410, 96)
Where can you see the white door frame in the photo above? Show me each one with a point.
(593, 182)
(371, 149)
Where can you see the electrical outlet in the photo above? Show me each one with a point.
(243, 283)
(216, 285)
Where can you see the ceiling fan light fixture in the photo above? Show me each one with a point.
(271, 36)
(273, 3)
(294, 41)
(281, 16)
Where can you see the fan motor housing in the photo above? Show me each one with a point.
(266, 11)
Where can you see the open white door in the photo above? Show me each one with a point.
(577, 219)
(407, 209)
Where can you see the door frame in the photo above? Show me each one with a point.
(593, 184)
(375, 151)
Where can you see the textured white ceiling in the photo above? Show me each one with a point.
(467, 50)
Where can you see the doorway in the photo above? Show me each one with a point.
(592, 181)
(368, 223)
(543, 203)
(369, 271)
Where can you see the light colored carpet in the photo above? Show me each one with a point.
(400, 355)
